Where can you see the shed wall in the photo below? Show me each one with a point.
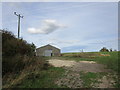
(55, 51)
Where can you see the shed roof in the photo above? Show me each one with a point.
(48, 45)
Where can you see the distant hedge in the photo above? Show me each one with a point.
(14, 51)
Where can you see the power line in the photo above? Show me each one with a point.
(19, 16)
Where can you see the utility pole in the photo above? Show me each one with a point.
(19, 16)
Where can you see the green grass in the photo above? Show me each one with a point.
(84, 56)
(42, 79)
(75, 58)
(111, 61)
(89, 78)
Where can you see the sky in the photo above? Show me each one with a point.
(70, 26)
(59, 0)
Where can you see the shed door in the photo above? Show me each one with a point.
(48, 53)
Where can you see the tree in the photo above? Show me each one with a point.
(104, 49)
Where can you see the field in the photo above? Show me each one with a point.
(108, 58)
(47, 78)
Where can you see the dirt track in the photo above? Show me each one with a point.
(87, 66)
(73, 69)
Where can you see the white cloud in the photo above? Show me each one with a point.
(48, 26)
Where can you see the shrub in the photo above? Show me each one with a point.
(12, 46)
(14, 52)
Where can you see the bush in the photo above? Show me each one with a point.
(12, 46)
(12, 64)
(14, 51)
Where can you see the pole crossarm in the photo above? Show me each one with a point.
(18, 15)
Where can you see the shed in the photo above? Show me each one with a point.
(48, 50)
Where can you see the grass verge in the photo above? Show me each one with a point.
(42, 79)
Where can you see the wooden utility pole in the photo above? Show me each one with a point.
(19, 16)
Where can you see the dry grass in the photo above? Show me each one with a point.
(31, 65)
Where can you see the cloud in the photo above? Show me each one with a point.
(48, 26)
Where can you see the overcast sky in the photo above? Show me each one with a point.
(69, 26)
